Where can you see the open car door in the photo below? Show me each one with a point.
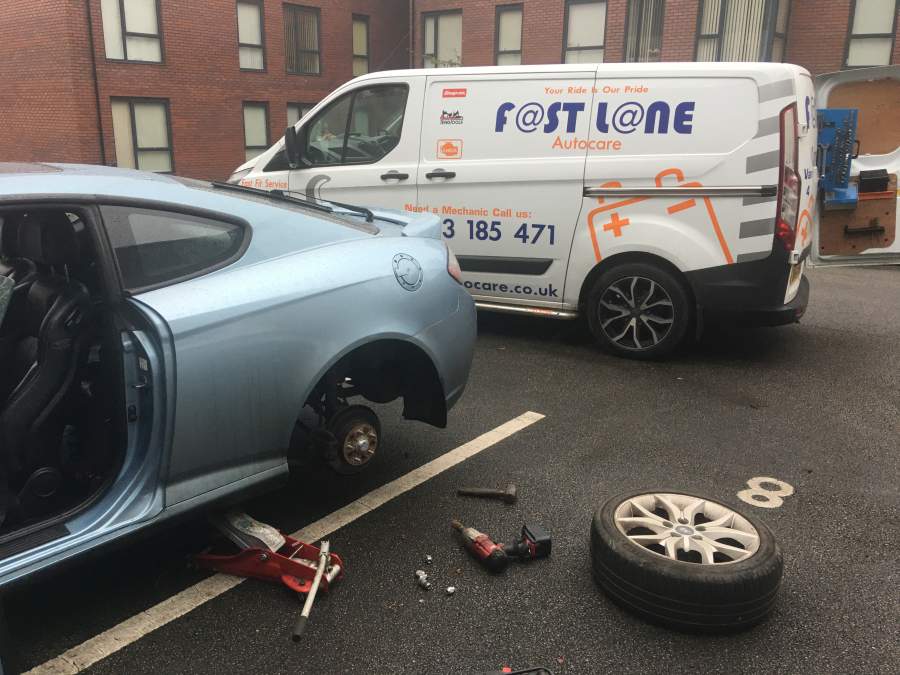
(858, 161)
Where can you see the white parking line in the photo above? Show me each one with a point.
(112, 640)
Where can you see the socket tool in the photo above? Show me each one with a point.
(534, 543)
(507, 495)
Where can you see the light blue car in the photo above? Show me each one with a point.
(169, 342)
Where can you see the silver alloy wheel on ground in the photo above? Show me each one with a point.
(360, 444)
(635, 313)
(693, 530)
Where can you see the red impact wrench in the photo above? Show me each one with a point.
(485, 551)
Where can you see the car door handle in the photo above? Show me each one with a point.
(440, 173)
(394, 175)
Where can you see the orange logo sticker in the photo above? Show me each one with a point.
(449, 148)
(455, 93)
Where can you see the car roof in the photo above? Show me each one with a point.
(90, 182)
(52, 180)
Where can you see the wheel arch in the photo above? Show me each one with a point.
(631, 257)
(385, 368)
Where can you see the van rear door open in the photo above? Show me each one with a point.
(863, 230)
(508, 189)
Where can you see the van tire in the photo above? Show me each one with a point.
(635, 334)
(686, 596)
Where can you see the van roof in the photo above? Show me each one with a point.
(763, 71)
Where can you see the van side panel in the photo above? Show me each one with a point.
(493, 168)
(708, 130)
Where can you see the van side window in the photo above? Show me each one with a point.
(359, 128)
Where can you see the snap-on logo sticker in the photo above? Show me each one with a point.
(451, 117)
(455, 93)
(449, 148)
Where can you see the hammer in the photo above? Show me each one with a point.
(508, 495)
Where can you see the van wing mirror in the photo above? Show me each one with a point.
(292, 147)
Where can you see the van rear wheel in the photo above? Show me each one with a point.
(639, 310)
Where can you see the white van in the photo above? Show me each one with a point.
(645, 196)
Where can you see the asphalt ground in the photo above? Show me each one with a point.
(816, 405)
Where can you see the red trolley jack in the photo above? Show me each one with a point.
(269, 555)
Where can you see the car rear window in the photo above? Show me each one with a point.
(154, 247)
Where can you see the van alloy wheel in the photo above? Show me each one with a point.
(635, 313)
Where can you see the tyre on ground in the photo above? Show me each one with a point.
(684, 561)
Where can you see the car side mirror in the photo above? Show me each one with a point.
(292, 147)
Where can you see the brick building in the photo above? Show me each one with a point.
(196, 86)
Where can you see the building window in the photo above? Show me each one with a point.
(131, 30)
(442, 39)
(256, 129)
(585, 30)
(296, 111)
(871, 37)
(360, 45)
(141, 132)
(643, 34)
(250, 35)
(508, 41)
(301, 40)
(742, 30)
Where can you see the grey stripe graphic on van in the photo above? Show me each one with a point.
(773, 90)
(757, 228)
(767, 160)
(750, 201)
(767, 127)
(756, 255)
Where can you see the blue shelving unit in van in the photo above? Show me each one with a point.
(837, 149)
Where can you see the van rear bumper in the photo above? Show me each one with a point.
(750, 292)
(779, 316)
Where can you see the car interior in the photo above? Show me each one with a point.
(60, 371)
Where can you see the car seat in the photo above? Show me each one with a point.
(53, 326)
